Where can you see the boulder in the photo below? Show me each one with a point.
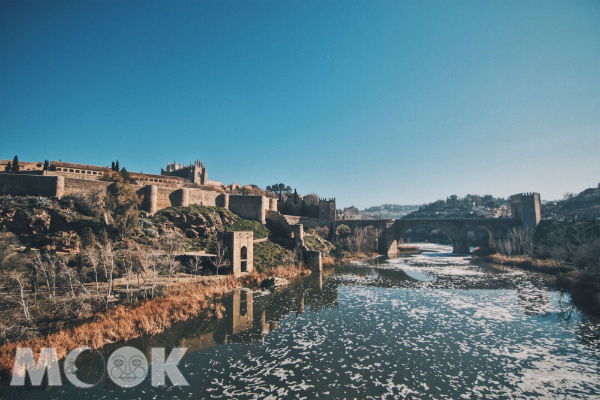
(274, 282)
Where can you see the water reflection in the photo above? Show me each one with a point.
(429, 325)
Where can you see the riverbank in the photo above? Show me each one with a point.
(580, 284)
(182, 301)
(526, 262)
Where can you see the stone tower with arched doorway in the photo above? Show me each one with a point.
(241, 252)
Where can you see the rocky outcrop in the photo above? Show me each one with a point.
(274, 282)
(194, 224)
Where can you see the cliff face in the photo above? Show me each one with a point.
(53, 225)
(43, 223)
(200, 221)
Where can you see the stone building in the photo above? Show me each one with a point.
(23, 165)
(195, 173)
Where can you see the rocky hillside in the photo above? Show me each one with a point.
(57, 225)
(45, 223)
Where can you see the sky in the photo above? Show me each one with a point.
(370, 102)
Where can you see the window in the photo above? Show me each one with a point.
(244, 258)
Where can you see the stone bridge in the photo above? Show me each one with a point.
(391, 230)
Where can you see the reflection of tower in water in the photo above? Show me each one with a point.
(242, 311)
(533, 300)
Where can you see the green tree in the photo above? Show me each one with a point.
(126, 176)
(122, 201)
(15, 164)
(112, 166)
(117, 166)
(8, 167)
(46, 165)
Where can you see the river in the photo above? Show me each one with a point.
(427, 326)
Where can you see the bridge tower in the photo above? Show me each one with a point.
(527, 208)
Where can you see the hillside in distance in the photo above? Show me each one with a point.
(470, 206)
(389, 211)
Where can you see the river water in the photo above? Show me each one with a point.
(431, 325)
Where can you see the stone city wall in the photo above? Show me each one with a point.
(204, 197)
(249, 207)
(153, 198)
(31, 185)
(74, 186)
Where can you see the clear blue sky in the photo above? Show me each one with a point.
(370, 102)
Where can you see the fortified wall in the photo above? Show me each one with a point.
(32, 185)
(153, 197)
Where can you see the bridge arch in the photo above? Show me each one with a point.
(456, 229)
(491, 240)
(403, 229)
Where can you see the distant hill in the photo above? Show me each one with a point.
(470, 206)
(579, 206)
(389, 211)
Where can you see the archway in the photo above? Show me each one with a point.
(244, 258)
(427, 233)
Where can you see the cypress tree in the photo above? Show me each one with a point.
(117, 166)
(112, 166)
(46, 165)
(15, 164)
(8, 167)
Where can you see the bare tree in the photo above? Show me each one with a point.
(66, 272)
(107, 262)
(92, 257)
(221, 259)
(522, 240)
(172, 246)
(18, 277)
(195, 262)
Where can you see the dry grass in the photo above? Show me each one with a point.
(328, 262)
(183, 301)
(547, 266)
(404, 249)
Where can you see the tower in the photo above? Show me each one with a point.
(527, 208)
(241, 251)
